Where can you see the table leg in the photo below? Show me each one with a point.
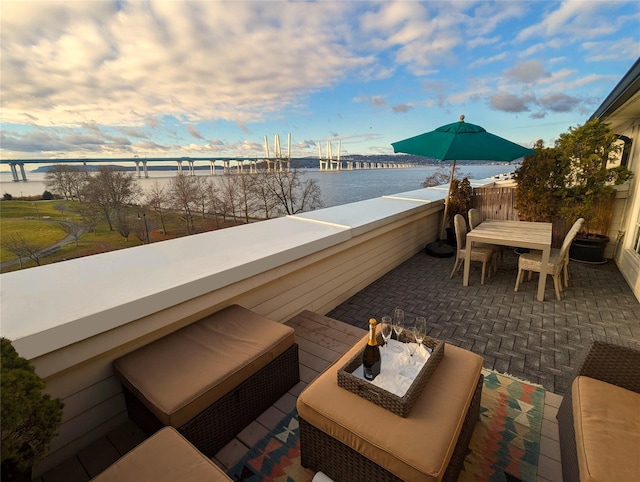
(467, 263)
(542, 282)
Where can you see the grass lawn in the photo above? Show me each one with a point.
(36, 222)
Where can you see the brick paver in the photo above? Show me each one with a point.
(515, 333)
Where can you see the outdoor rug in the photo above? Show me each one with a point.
(504, 447)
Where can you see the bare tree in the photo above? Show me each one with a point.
(156, 198)
(184, 195)
(90, 214)
(213, 201)
(293, 194)
(229, 195)
(123, 224)
(112, 191)
(17, 244)
(66, 180)
(442, 174)
(242, 194)
(74, 229)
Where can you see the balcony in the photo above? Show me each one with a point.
(349, 262)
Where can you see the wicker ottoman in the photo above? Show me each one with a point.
(351, 439)
(166, 456)
(212, 378)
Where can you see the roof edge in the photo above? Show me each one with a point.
(621, 93)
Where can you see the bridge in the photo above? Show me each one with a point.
(328, 163)
(278, 162)
(242, 164)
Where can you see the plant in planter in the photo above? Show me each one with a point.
(589, 185)
(572, 180)
(460, 201)
(539, 182)
(30, 417)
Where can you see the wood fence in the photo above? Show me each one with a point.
(499, 203)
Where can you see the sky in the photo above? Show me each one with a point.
(106, 79)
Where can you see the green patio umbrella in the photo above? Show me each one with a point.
(463, 142)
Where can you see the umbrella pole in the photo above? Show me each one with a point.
(443, 234)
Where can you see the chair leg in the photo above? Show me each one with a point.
(455, 267)
(518, 279)
(566, 272)
(556, 284)
(484, 268)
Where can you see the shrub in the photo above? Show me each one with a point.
(30, 417)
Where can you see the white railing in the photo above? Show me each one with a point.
(72, 319)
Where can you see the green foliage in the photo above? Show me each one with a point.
(539, 183)
(572, 179)
(30, 417)
(589, 182)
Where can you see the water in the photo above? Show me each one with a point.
(338, 187)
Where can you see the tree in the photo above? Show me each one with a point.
(30, 417)
(442, 174)
(123, 225)
(72, 228)
(66, 180)
(291, 194)
(230, 195)
(539, 182)
(184, 194)
(156, 198)
(112, 191)
(17, 244)
(589, 181)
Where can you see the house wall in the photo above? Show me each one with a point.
(627, 259)
(336, 253)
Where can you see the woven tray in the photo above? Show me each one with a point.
(387, 400)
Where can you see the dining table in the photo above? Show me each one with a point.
(518, 234)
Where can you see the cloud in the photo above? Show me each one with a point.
(191, 129)
(559, 102)
(528, 72)
(507, 102)
(604, 51)
(574, 20)
(401, 108)
(373, 100)
(487, 60)
(127, 63)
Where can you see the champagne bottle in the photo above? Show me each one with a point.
(371, 356)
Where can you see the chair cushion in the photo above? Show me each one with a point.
(418, 447)
(166, 456)
(606, 419)
(181, 374)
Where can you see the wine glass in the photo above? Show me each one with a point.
(398, 327)
(412, 333)
(420, 330)
(386, 329)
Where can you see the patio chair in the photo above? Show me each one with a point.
(482, 254)
(475, 218)
(558, 260)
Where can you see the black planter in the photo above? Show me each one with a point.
(10, 472)
(451, 237)
(589, 249)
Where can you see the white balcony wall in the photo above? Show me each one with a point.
(73, 319)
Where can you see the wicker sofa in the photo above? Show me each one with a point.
(599, 417)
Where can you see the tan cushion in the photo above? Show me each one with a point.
(418, 447)
(166, 456)
(181, 374)
(606, 419)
